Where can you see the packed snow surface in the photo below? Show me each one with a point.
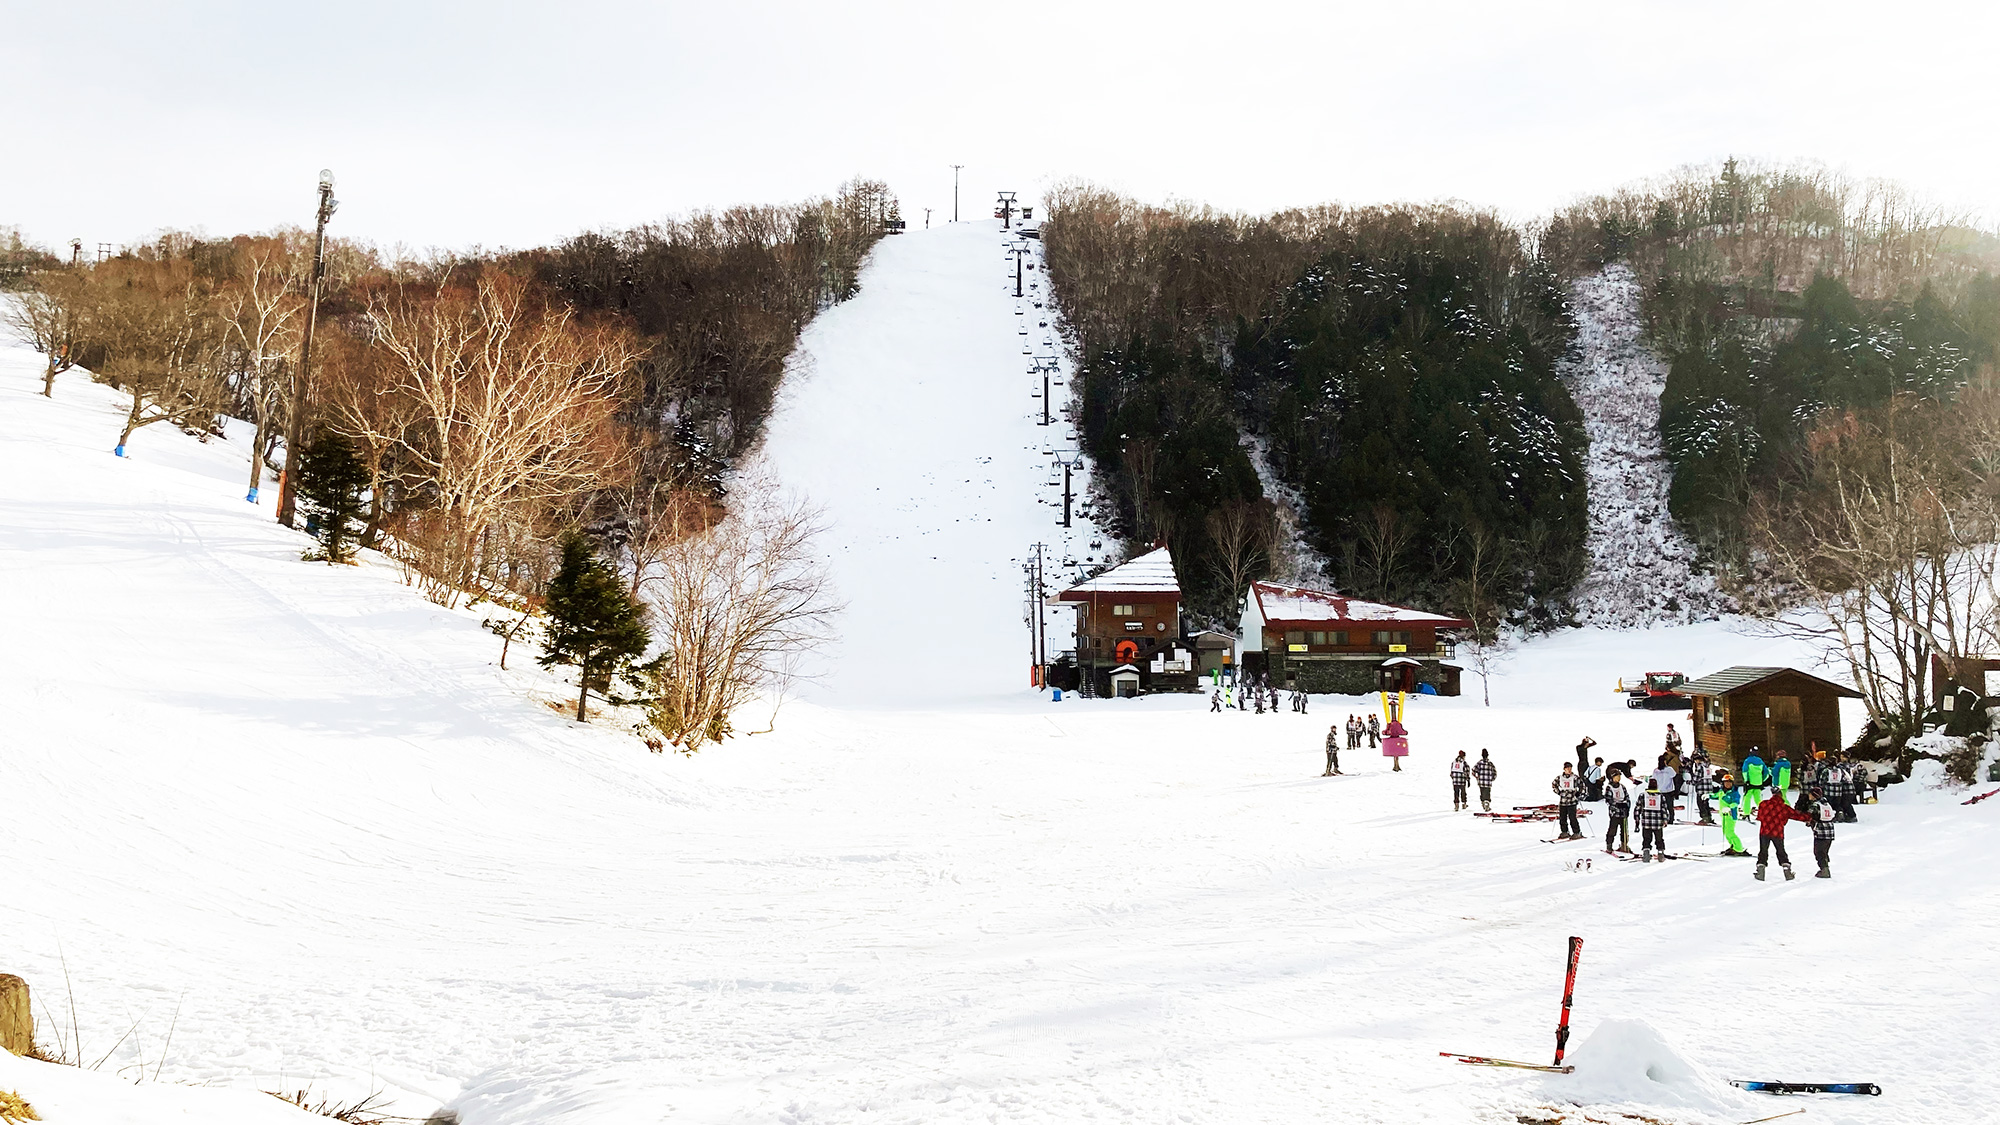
(1641, 569)
(299, 815)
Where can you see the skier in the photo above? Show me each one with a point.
(1666, 779)
(1583, 754)
(1593, 781)
(1484, 772)
(1215, 700)
(1822, 817)
(1729, 801)
(1568, 787)
(1617, 803)
(1332, 751)
(1756, 781)
(1772, 816)
(1781, 774)
(1843, 789)
(1461, 774)
(1374, 731)
(1697, 780)
(1653, 822)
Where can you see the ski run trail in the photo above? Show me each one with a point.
(1641, 568)
(273, 825)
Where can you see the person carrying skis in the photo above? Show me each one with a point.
(1653, 806)
(1772, 816)
(1697, 780)
(1461, 774)
(1617, 803)
(1729, 802)
(1332, 751)
(1821, 816)
(1568, 787)
(1483, 771)
(1374, 730)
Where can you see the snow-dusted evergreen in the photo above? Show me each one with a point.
(1642, 569)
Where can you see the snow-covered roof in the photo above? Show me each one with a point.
(1288, 605)
(1150, 573)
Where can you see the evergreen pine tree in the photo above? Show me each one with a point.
(331, 482)
(594, 624)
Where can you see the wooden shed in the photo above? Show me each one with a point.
(1766, 711)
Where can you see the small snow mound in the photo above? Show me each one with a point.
(1928, 773)
(1628, 1062)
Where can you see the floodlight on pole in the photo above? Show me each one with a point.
(954, 191)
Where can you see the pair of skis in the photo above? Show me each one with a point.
(1660, 855)
(1981, 797)
(1809, 1087)
(1562, 1027)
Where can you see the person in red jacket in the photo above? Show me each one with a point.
(1772, 816)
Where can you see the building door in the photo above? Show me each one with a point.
(1788, 726)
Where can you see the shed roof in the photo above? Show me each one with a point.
(1150, 573)
(1743, 676)
(1296, 605)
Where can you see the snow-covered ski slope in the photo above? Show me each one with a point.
(297, 814)
(912, 416)
(1641, 568)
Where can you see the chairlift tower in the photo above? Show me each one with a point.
(1004, 210)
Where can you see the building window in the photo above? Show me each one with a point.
(1339, 638)
(1295, 636)
(1712, 711)
(1401, 637)
(1124, 611)
(1318, 637)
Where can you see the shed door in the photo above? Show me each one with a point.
(1788, 726)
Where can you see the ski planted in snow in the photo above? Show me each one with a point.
(1809, 1087)
(1569, 990)
(1482, 1060)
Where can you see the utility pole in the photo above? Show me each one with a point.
(302, 373)
(76, 251)
(954, 191)
(927, 218)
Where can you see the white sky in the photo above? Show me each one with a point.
(502, 123)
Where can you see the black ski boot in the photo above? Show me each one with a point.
(1823, 873)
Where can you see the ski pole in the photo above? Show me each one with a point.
(1569, 990)
(1775, 1116)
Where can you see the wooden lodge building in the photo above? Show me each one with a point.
(1131, 616)
(1766, 711)
(1323, 642)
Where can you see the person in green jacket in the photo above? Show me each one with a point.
(1729, 804)
(1756, 779)
(1781, 771)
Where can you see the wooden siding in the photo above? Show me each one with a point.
(1746, 729)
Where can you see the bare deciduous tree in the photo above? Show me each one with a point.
(735, 609)
(51, 318)
(516, 405)
(261, 307)
(1241, 534)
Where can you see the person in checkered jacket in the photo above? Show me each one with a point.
(1653, 806)
(1484, 771)
(1698, 780)
(1772, 816)
(1821, 815)
(1841, 789)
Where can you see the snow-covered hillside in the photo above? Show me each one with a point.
(1641, 567)
(298, 815)
(912, 415)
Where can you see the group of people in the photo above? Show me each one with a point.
(1829, 789)
(1255, 693)
(1355, 729)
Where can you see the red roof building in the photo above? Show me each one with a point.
(1322, 641)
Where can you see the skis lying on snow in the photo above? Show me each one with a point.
(1981, 797)
(1809, 1087)
(1482, 1060)
(1661, 855)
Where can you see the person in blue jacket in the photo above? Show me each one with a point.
(1755, 780)
(1781, 774)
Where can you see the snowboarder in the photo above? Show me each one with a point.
(1729, 801)
(1653, 808)
(1617, 803)
(1568, 787)
(1215, 700)
(1821, 816)
(1697, 780)
(1461, 775)
(1484, 772)
(1374, 731)
(1772, 816)
(1332, 751)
